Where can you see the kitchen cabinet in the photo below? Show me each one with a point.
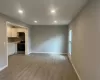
(12, 48)
(20, 30)
(11, 32)
(14, 32)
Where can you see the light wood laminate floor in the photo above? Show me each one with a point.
(38, 67)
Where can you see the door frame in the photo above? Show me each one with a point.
(26, 37)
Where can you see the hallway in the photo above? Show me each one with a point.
(38, 67)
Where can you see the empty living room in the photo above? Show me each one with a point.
(49, 39)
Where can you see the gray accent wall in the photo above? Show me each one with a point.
(49, 39)
(86, 41)
(3, 38)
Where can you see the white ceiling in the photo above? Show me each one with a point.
(39, 10)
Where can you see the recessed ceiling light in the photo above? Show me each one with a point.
(20, 11)
(35, 21)
(55, 21)
(53, 11)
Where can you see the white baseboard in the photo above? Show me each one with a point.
(74, 67)
(3, 68)
(46, 53)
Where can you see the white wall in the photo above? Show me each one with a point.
(86, 41)
(3, 38)
(49, 39)
(3, 51)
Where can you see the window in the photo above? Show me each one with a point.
(70, 42)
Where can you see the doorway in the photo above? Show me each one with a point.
(17, 39)
(21, 44)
